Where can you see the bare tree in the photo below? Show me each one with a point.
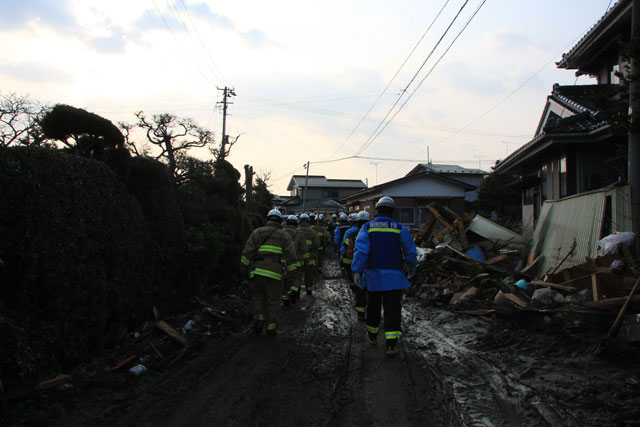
(216, 151)
(18, 120)
(173, 136)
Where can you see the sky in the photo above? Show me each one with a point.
(360, 89)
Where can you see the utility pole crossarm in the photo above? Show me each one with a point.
(226, 94)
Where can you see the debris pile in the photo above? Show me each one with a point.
(476, 266)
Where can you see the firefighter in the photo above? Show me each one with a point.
(311, 238)
(338, 234)
(383, 246)
(267, 254)
(345, 263)
(294, 281)
(347, 250)
(323, 237)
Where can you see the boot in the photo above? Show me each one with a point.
(258, 325)
(373, 339)
(391, 350)
(293, 296)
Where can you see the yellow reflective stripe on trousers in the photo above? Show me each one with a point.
(312, 262)
(244, 260)
(266, 273)
(392, 335)
(292, 267)
(272, 326)
(386, 230)
(309, 242)
(305, 255)
(360, 309)
(347, 261)
(372, 329)
(271, 249)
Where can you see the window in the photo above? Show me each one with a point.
(332, 194)
(405, 216)
(529, 196)
(544, 183)
(563, 176)
(423, 215)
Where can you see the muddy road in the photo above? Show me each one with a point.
(452, 370)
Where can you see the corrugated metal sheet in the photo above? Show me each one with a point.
(492, 231)
(580, 219)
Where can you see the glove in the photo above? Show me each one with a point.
(357, 278)
(411, 271)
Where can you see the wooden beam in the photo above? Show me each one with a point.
(496, 259)
(571, 249)
(530, 266)
(439, 217)
(166, 328)
(516, 300)
(594, 287)
(53, 382)
(463, 235)
(554, 285)
(623, 309)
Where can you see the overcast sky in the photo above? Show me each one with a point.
(314, 80)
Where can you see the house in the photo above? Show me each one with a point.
(576, 149)
(573, 174)
(447, 185)
(316, 193)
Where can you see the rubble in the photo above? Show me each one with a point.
(478, 267)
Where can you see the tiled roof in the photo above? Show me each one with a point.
(583, 98)
(322, 181)
(451, 169)
(580, 123)
(609, 14)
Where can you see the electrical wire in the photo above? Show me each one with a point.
(368, 142)
(392, 79)
(372, 139)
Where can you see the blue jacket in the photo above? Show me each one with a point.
(352, 231)
(339, 233)
(383, 246)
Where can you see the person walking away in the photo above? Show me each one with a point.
(383, 246)
(311, 238)
(332, 228)
(347, 250)
(267, 251)
(294, 281)
(323, 237)
(345, 264)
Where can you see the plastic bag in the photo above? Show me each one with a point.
(611, 243)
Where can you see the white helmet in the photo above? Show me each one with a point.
(343, 216)
(304, 217)
(312, 215)
(321, 217)
(385, 201)
(334, 216)
(363, 216)
(354, 217)
(293, 219)
(274, 214)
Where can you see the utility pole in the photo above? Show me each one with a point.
(376, 164)
(226, 94)
(479, 156)
(306, 183)
(507, 143)
(634, 131)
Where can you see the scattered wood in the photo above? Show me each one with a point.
(156, 351)
(554, 285)
(124, 362)
(516, 300)
(594, 288)
(496, 259)
(573, 247)
(166, 328)
(531, 264)
(623, 309)
(463, 235)
(53, 382)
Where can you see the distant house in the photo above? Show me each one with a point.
(575, 149)
(447, 185)
(317, 193)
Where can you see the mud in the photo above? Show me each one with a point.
(452, 370)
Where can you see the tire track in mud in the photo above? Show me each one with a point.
(486, 391)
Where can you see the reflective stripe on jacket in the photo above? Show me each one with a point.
(351, 233)
(382, 247)
(313, 243)
(267, 249)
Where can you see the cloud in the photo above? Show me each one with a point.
(18, 13)
(114, 43)
(508, 40)
(218, 21)
(35, 72)
(153, 20)
(461, 76)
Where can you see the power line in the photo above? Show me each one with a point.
(371, 138)
(464, 27)
(392, 79)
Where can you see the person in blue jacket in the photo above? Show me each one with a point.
(383, 248)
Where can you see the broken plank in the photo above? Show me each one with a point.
(463, 235)
(439, 217)
(532, 264)
(166, 328)
(124, 362)
(623, 309)
(594, 287)
(53, 382)
(516, 300)
(496, 259)
(462, 254)
(554, 285)
(571, 249)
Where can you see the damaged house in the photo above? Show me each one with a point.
(573, 173)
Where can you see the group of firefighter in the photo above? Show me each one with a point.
(377, 257)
